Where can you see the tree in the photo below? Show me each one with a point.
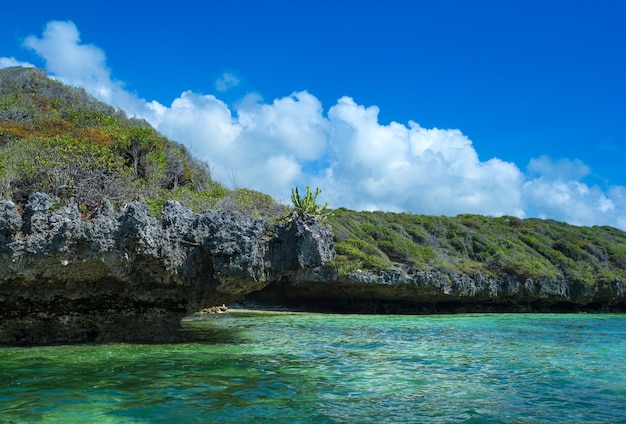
(137, 146)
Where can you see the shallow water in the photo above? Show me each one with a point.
(333, 368)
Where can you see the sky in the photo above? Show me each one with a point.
(432, 107)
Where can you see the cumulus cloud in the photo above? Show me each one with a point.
(204, 124)
(7, 62)
(556, 191)
(561, 169)
(201, 121)
(357, 161)
(433, 171)
(292, 124)
(67, 58)
(84, 65)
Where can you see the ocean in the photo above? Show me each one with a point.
(279, 367)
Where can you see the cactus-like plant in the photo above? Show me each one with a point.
(307, 205)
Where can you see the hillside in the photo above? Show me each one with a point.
(408, 263)
(471, 244)
(58, 140)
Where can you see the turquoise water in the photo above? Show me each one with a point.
(333, 368)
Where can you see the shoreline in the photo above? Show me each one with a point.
(256, 308)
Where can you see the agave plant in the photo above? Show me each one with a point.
(307, 205)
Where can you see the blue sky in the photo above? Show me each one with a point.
(438, 107)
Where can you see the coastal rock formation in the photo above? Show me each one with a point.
(407, 289)
(125, 275)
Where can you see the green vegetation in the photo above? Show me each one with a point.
(59, 140)
(470, 244)
(307, 205)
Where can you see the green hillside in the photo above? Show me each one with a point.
(59, 140)
(470, 244)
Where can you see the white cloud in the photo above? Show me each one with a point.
(431, 171)
(617, 194)
(68, 59)
(358, 162)
(202, 121)
(293, 125)
(84, 65)
(204, 124)
(263, 148)
(557, 192)
(563, 168)
(7, 62)
(227, 81)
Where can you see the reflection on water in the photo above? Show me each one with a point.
(251, 367)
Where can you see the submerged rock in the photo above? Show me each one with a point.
(126, 276)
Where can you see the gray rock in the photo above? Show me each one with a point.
(10, 219)
(407, 289)
(307, 238)
(124, 275)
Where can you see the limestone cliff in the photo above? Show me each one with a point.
(408, 263)
(124, 275)
(407, 289)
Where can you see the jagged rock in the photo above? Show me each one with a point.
(306, 238)
(10, 221)
(124, 275)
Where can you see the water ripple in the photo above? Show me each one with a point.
(285, 368)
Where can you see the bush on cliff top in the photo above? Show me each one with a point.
(307, 205)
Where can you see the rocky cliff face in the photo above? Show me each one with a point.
(124, 275)
(407, 289)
